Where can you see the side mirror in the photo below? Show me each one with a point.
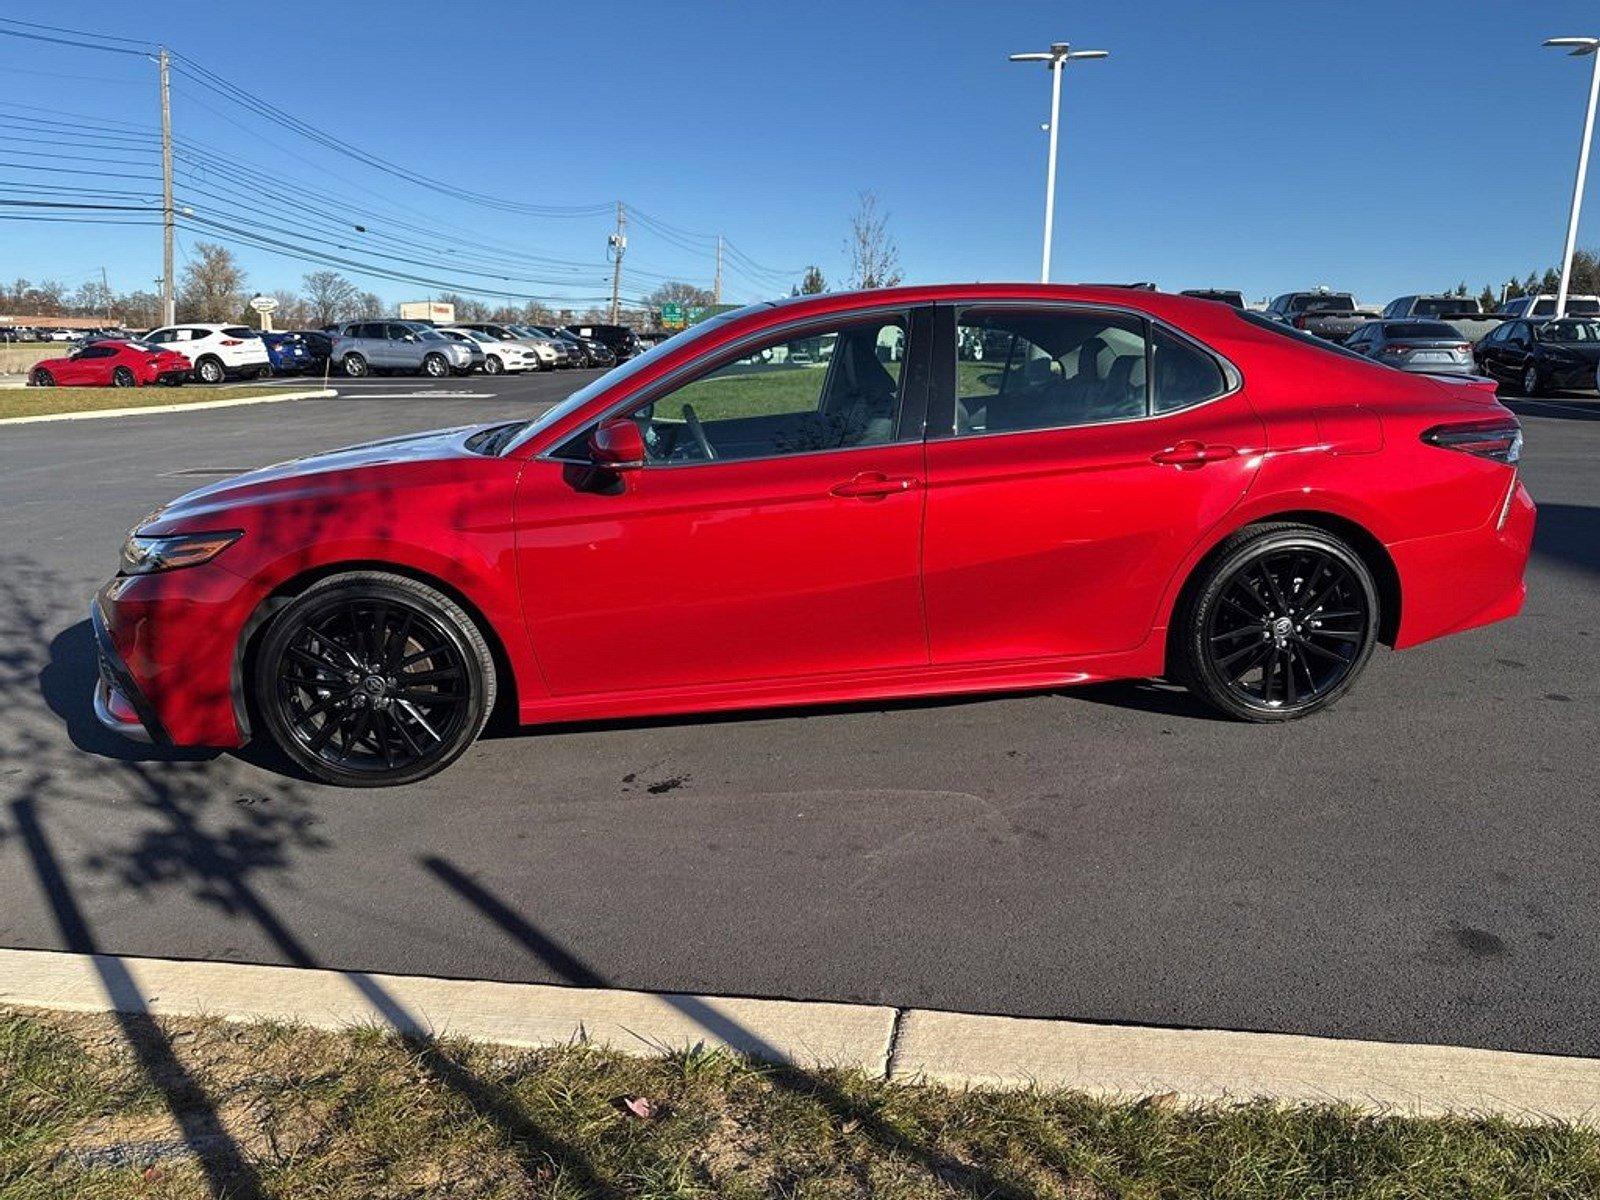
(617, 445)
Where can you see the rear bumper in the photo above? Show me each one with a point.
(1459, 581)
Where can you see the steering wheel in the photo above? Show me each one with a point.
(698, 430)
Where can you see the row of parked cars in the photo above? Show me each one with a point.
(1521, 343)
(213, 353)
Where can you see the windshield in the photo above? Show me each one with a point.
(1323, 304)
(1439, 307)
(1569, 331)
(431, 335)
(620, 375)
(476, 335)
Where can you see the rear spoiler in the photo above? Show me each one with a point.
(1478, 388)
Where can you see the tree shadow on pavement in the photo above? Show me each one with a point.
(781, 1071)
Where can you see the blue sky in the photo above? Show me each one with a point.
(1376, 147)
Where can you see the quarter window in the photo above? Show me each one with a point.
(1183, 374)
(833, 389)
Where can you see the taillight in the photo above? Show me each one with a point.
(1500, 440)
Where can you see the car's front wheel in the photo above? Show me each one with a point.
(210, 371)
(43, 379)
(354, 366)
(1279, 624)
(492, 365)
(1532, 382)
(369, 679)
(435, 367)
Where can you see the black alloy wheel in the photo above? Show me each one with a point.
(1532, 384)
(1281, 625)
(370, 679)
(122, 377)
(43, 379)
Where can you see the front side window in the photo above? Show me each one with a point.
(833, 389)
(1019, 369)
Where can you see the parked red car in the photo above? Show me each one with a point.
(833, 498)
(112, 364)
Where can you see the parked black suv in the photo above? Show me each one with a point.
(619, 339)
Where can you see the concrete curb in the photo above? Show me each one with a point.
(513, 1014)
(958, 1049)
(145, 409)
(1211, 1064)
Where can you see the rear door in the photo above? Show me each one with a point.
(1068, 477)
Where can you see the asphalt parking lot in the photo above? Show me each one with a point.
(1418, 864)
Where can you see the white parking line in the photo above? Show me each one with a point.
(418, 395)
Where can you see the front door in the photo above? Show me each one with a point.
(772, 535)
(1086, 452)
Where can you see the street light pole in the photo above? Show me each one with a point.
(169, 312)
(1580, 47)
(1058, 56)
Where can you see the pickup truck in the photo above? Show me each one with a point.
(1332, 316)
(1463, 312)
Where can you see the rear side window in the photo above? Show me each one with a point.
(1423, 329)
(1183, 374)
(239, 331)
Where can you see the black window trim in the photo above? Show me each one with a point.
(910, 421)
(941, 416)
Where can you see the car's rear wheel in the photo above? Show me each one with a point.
(492, 365)
(122, 377)
(1532, 382)
(355, 366)
(264, 371)
(370, 679)
(1280, 623)
(210, 370)
(435, 367)
(43, 379)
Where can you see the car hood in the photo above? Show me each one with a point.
(316, 474)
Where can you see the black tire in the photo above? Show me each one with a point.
(43, 379)
(264, 372)
(493, 366)
(210, 370)
(1532, 381)
(1255, 635)
(434, 366)
(122, 377)
(355, 366)
(322, 709)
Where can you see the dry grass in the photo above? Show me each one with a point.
(38, 402)
(96, 1109)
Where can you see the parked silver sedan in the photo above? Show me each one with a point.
(1427, 347)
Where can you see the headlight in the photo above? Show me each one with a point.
(143, 555)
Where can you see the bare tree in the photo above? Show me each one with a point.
(874, 257)
(292, 312)
(329, 297)
(368, 304)
(212, 287)
(676, 291)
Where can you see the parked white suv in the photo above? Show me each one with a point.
(215, 351)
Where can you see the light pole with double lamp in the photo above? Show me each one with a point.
(1058, 56)
(1580, 46)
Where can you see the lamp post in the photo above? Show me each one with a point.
(1581, 47)
(1058, 56)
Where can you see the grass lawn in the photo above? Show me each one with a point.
(35, 401)
(97, 1108)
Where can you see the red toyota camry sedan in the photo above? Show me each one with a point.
(112, 364)
(833, 498)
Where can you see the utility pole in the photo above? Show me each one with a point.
(716, 286)
(618, 244)
(169, 310)
(1581, 47)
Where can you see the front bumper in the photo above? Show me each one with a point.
(119, 705)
